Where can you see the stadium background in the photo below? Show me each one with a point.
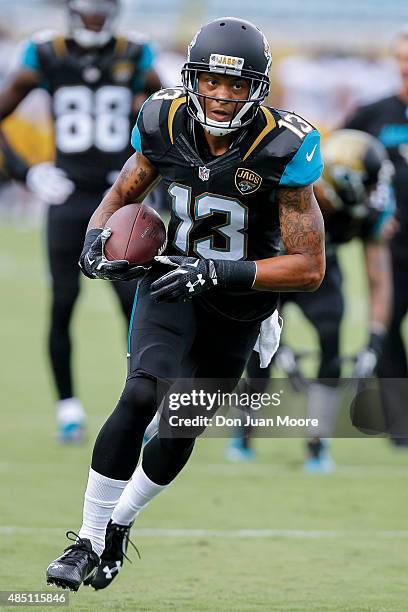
(258, 536)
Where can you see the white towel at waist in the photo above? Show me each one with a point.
(268, 340)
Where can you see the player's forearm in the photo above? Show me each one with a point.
(290, 273)
(16, 90)
(12, 164)
(109, 205)
(136, 179)
(378, 267)
(302, 267)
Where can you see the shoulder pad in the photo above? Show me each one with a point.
(293, 126)
(137, 49)
(304, 163)
(287, 147)
(137, 38)
(44, 36)
(153, 133)
(50, 43)
(282, 134)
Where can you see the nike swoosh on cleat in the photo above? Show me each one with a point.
(90, 261)
(309, 156)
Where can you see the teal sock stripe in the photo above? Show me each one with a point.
(132, 317)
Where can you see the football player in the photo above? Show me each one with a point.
(356, 197)
(97, 81)
(238, 174)
(387, 119)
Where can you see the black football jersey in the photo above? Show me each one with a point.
(341, 227)
(366, 220)
(92, 97)
(225, 207)
(387, 119)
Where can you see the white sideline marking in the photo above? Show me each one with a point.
(260, 469)
(220, 533)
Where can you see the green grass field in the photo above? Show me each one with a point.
(260, 536)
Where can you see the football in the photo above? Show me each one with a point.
(138, 234)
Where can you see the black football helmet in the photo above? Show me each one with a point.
(357, 171)
(107, 11)
(234, 47)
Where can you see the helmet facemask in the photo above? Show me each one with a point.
(241, 117)
(79, 10)
(350, 188)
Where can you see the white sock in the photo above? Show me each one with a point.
(101, 496)
(323, 405)
(70, 410)
(137, 494)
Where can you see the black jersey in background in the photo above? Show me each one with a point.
(387, 119)
(92, 102)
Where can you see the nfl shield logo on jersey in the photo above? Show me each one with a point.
(204, 173)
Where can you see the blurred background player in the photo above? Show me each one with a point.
(387, 119)
(356, 199)
(97, 81)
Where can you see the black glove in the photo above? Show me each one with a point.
(193, 276)
(367, 359)
(94, 264)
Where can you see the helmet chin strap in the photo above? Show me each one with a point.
(221, 128)
(88, 39)
(217, 130)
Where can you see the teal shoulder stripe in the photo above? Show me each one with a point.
(147, 57)
(145, 63)
(136, 139)
(29, 58)
(306, 166)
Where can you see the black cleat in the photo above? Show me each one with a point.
(77, 563)
(117, 541)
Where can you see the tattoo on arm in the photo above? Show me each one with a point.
(301, 221)
(137, 177)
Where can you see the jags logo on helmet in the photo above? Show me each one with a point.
(247, 181)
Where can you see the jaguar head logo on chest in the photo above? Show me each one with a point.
(247, 181)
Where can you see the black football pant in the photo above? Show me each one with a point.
(393, 362)
(178, 343)
(66, 228)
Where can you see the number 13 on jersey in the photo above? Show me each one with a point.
(233, 231)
